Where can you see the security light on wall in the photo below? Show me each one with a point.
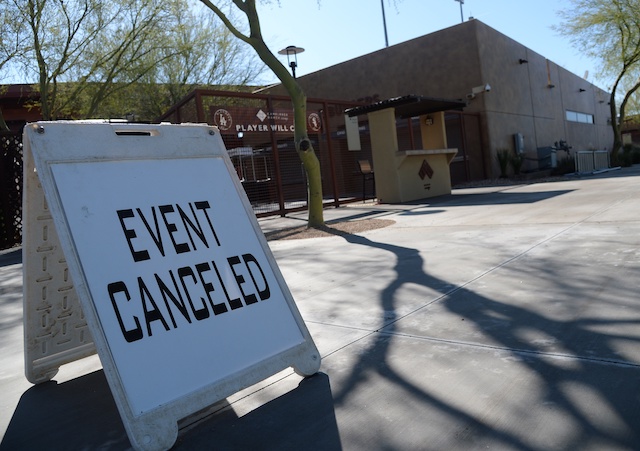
(523, 61)
(478, 90)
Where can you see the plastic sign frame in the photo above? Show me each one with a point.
(179, 288)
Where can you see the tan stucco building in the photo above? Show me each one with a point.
(529, 95)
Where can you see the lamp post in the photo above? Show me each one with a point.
(384, 24)
(292, 50)
(461, 15)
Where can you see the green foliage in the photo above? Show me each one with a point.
(14, 40)
(303, 145)
(566, 165)
(144, 102)
(632, 107)
(503, 157)
(86, 54)
(609, 31)
(629, 155)
(516, 161)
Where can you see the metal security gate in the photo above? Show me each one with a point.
(257, 130)
(258, 133)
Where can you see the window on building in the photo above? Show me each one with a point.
(583, 118)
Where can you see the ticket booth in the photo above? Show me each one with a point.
(407, 175)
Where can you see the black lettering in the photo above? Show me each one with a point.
(177, 300)
(199, 314)
(208, 288)
(157, 237)
(130, 234)
(153, 314)
(171, 228)
(129, 334)
(264, 293)
(204, 205)
(248, 298)
(233, 303)
(187, 222)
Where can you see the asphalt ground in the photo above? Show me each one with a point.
(499, 317)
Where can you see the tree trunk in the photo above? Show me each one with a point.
(617, 139)
(314, 186)
(307, 154)
(302, 142)
(301, 139)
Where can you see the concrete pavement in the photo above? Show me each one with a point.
(501, 317)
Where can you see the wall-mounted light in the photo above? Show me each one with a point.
(582, 90)
(428, 120)
(551, 86)
(292, 50)
(523, 61)
(478, 90)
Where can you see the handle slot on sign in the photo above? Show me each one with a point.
(136, 132)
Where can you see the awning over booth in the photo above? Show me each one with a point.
(409, 106)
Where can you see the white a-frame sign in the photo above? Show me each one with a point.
(179, 291)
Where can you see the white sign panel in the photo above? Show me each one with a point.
(353, 132)
(183, 297)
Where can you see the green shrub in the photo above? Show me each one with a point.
(566, 165)
(516, 161)
(503, 156)
(625, 158)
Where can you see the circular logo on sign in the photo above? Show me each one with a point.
(222, 118)
(313, 122)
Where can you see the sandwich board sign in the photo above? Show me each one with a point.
(177, 285)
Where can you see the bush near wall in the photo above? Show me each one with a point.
(629, 155)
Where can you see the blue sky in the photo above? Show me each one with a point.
(333, 31)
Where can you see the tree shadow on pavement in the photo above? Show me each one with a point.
(506, 335)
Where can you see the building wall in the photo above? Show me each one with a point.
(528, 98)
(418, 66)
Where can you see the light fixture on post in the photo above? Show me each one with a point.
(292, 50)
(384, 24)
(461, 15)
